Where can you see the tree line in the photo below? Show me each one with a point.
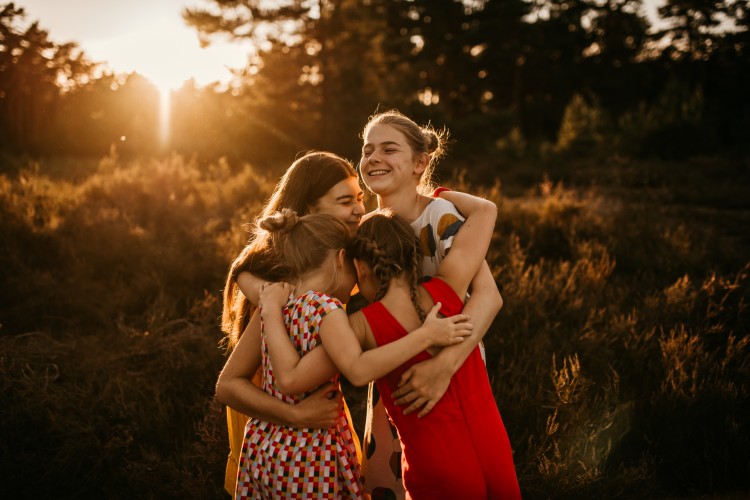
(518, 78)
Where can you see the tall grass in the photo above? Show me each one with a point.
(109, 341)
(618, 379)
(620, 362)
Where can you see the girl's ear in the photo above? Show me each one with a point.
(341, 257)
(361, 269)
(421, 165)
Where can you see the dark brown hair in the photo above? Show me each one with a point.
(386, 242)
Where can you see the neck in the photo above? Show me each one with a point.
(318, 281)
(397, 289)
(408, 205)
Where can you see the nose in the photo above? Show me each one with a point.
(373, 158)
(359, 209)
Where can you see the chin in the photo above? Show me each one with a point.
(374, 185)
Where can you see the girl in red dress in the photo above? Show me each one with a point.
(460, 449)
(398, 158)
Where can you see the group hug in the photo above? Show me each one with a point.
(433, 429)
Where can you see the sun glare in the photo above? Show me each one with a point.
(165, 112)
(166, 80)
(170, 58)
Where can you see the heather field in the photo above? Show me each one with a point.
(620, 361)
(612, 136)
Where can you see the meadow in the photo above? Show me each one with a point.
(620, 362)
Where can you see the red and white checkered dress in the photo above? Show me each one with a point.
(282, 462)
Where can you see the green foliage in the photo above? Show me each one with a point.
(673, 127)
(614, 382)
(120, 238)
(583, 128)
(512, 145)
(491, 71)
(33, 71)
(109, 317)
(121, 414)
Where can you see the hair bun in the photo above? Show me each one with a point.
(279, 222)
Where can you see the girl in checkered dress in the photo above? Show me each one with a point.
(317, 182)
(279, 461)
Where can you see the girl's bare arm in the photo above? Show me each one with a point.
(361, 367)
(235, 388)
(294, 373)
(424, 384)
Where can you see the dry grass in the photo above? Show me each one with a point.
(620, 362)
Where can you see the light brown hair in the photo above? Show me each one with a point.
(422, 140)
(307, 180)
(304, 242)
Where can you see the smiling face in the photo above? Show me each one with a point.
(388, 163)
(343, 201)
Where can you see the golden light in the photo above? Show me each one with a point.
(149, 38)
(168, 56)
(165, 113)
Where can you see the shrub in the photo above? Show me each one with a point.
(619, 361)
(672, 127)
(583, 129)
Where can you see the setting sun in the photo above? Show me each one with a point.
(144, 37)
(147, 37)
(582, 167)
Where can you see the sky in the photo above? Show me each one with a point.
(147, 36)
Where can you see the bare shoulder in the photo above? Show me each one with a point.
(359, 322)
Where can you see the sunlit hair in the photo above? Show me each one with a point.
(304, 242)
(422, 140)
(306, 181)
(386, 242)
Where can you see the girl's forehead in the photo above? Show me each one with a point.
(346, 187)
(377, 134)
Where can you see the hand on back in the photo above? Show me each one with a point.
(320, 409)
(446, 331)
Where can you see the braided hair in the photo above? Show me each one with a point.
(386, 242)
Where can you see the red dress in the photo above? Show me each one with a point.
(460, 449)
